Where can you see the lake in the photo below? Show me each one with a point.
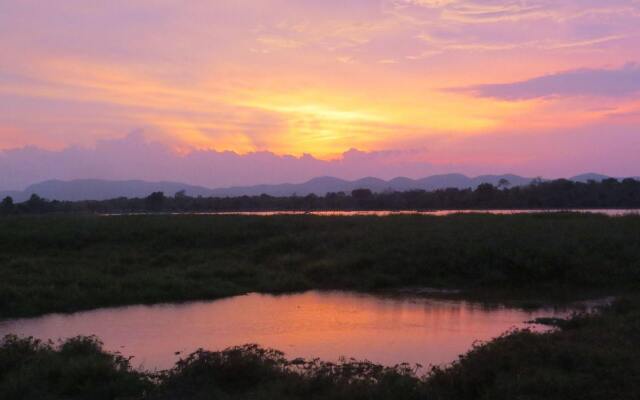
(383, 213)
(386, 330)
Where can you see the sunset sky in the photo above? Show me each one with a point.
(353, 87)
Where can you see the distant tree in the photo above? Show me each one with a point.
(7, 206)
(155, 201)
(485, 193)
(181, 200)
(36, 204)
(361, 194)
(336, 201)
(362, 197)
(485, 188)
(310, 201)
(610, 181)
(503, 183)
(537, 181)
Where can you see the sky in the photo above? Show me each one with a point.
(233, 92)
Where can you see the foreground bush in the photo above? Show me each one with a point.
(252, 372)
(76, 369)
(590, 357)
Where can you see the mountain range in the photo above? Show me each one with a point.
(97, 189)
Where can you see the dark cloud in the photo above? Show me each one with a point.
(622, 82)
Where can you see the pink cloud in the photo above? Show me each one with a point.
(552, 154)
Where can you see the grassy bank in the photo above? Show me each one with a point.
(66, 263)
(590, 357)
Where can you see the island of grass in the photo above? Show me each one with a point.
(71, 262)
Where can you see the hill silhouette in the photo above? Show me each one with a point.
(98, 189)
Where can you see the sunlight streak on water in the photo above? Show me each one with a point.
(385, 213)
(312, 324)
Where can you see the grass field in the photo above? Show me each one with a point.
(66, 263)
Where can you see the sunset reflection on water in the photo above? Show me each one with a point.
(313, 324)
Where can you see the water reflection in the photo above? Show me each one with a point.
(384, 213)
(312, 324)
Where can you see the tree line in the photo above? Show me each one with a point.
(561, 193)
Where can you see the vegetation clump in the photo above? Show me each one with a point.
(66, 263)
(78, 368)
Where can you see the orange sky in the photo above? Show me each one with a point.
(318, 77)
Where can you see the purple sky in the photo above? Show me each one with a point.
(233, 92)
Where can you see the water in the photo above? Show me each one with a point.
(312, 324)
(384, 213)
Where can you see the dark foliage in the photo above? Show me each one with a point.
(76, 369)
(562, 193)
(590, 357)
(64, 263)
(252, 372)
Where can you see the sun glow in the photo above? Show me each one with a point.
(316, 78)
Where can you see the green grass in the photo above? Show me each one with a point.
(66, 263)
(592, 357)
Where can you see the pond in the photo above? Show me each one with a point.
(327, 325)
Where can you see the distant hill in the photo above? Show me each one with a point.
(97, 189)
(323, 185)
(589, 177)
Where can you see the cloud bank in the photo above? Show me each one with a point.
(133, 157)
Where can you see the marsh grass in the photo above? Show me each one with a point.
(67, 263)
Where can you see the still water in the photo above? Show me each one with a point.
(383, 213)
(327, 325)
